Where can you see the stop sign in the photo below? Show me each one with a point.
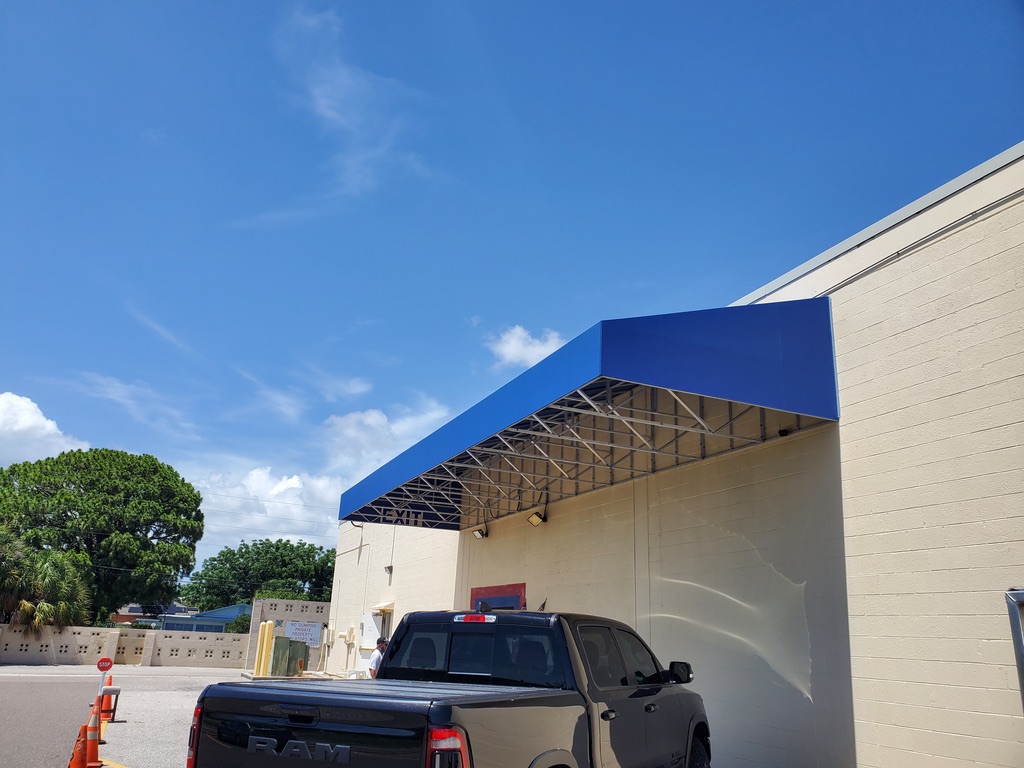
(105, 664)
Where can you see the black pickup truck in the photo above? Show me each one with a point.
(504, 689)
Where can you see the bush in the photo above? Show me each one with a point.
(239, 625)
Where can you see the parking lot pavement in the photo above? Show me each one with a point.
(43, 707)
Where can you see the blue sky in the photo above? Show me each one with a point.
(274, 244)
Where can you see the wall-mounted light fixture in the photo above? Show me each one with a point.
(480, 531)
(388, 569)
(537, 518)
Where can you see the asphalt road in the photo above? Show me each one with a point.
(42, 709)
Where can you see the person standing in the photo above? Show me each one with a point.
(377, 655)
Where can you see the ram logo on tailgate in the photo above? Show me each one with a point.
(322, 753)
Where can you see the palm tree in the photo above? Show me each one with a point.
(52, 592)
(39, 588)
(12, 566)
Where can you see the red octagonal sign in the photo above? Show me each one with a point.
(105, 664)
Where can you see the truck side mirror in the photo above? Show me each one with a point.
(681, 671)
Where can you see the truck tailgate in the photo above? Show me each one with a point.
(358, 723)
(323, 722)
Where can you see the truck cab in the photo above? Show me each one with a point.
(640, 713)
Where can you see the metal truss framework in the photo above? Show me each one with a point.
(607, 432)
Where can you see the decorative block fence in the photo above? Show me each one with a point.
(87, 645)
(159, 648)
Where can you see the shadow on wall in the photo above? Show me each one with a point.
(754, 595)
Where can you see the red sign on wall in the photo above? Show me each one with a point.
(501, 596)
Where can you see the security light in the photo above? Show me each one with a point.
(480, 532)
(536, 519)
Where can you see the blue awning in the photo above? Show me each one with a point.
(626, 398)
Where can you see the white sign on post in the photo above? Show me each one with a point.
(307, 632)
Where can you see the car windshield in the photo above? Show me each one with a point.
(498, 654)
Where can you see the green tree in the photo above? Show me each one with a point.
(40, 588)
(131, 520)
(240, 624)
(323, 576)
(53, 592)
(12, 567)
(282, 589)
(237, 575)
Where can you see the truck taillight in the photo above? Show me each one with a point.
(447, 747)
(193, 737)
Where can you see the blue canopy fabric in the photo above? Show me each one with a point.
(625, 398)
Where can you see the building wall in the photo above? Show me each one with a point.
(747, 582)
(87, 645)
(580, 560)
(157, 647)
(422, 577)
(930, 358)
(281, 612)
(734, 564)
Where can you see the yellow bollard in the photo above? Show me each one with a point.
(258, 668)
(268, 642)
(263, 641)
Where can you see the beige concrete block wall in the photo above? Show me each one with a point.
(131, 646)
(281, 612)
(930, 358)
(930, 353)
(198, 649)
(747, 583)
(734, 564)
(87, 645)
(581, 560)
(422, 577)
(75, 645)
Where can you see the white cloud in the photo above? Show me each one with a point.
(242, 502)
(257, 504)
(158, 329)
(27, 435)
(140, 402)
(361, 441)
(287, 405)
(363, 111)
(333, 388)
(516, 347)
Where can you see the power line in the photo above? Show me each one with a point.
(256, 514)
(266, 501)
(265, 532)
(286, 533)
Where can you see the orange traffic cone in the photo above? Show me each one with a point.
(92, 738)
(78, 755)
(106, 712)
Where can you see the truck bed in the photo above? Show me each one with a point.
(358, 723)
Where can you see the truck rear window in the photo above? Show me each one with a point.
(488, 653)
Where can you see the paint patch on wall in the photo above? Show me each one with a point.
(507, 596)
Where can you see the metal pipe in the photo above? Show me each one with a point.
(1014, 602)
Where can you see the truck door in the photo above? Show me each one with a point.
(617, 713)
(665, 729)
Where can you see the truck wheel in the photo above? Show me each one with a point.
(698, 755)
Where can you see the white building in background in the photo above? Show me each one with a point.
(813, 495)
(381, 573)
